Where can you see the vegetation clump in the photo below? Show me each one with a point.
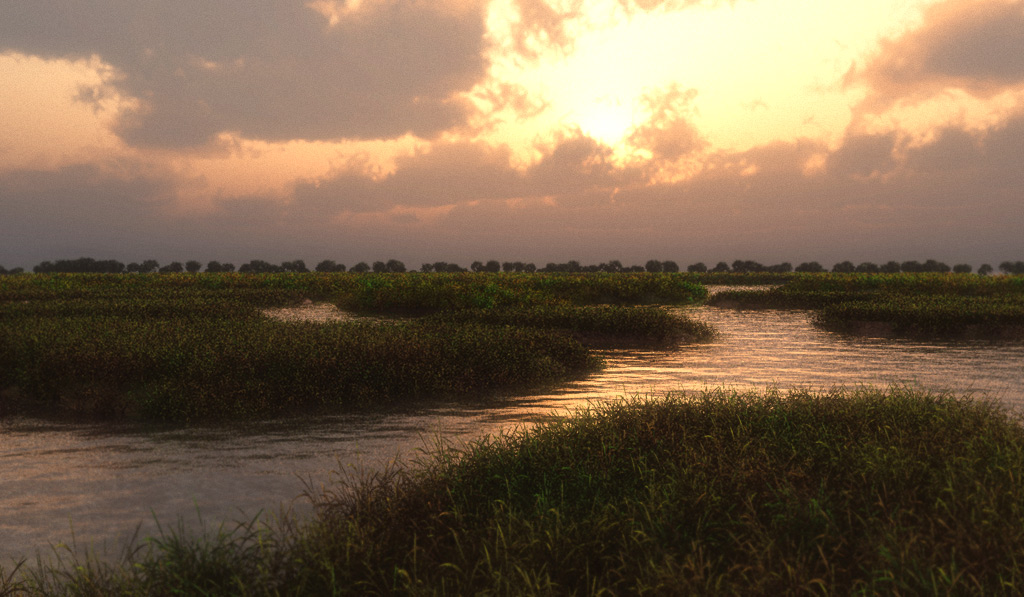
(195, 347)
(839, 492)
(925, 305)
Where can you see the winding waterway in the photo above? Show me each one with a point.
(99, 483)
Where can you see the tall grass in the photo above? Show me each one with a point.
(210, 368)
(914, 305)
(847, 491)
(196, 347)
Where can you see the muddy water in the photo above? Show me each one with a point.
(98, 484)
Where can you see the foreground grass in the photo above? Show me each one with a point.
(865, 491)
(906, 305)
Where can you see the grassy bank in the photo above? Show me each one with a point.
(196, 347)
(907, 305)
(206, 369)
(843, 492)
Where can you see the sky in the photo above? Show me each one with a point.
(516, 130)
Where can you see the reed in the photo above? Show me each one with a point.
(195, 347)
(210, 368)
(846, 491)
(906, 305)
(605, 326)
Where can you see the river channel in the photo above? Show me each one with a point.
(99, 484)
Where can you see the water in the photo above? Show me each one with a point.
(99, 483)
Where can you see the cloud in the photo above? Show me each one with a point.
(974, 46)
(79, 210)
(765, 204)
(954, 197)
(461, 172)
(668, 134)
(267, 69)
(541, 26)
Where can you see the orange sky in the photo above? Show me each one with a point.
(535, 130)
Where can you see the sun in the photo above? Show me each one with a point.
(607, 120)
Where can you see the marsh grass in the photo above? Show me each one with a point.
(205, 369)
(839, 492)
(419, 294)
(187, 348)
(907, 305)
(609, 326)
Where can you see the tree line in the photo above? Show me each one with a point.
(258, 266)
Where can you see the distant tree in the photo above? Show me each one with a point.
(781, 268)
(1012, 267)
(844, 267)
(174, 267)
(216, 267)
(258, 266)
(654, 266)
(360, 268)
(11, 272)
(810, 267)
(329, 266)
(427, 268)
(476, 266)
(296, 266)
(936, 267)
(379, 267)
(890, 267)
(985, 269)
(962, 268)
(192, 266)
(670, 266)
(149, 266)
(132, 268)
(492, 266)
(746, 266)
(868, 268)
(574, 266)
(82, 265)
(395, 266)
(721, 266)
(911, 267)
(698, 267)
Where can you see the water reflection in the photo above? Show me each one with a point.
(104, 480)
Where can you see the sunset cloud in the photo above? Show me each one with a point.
(973, 48)
(266, 69)
(535, 130)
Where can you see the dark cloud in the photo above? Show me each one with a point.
(977, 47)
(80, 210)
(267, 69)
(453, 173)
(954, 198)
(766, 204)
(864, 155)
